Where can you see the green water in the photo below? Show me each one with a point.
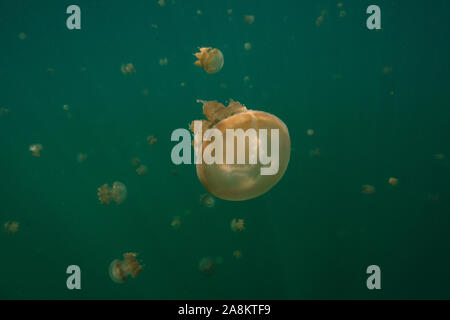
(312, 236)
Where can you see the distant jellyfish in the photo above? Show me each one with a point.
(145, 92)
(152, 140)
(249, 19)
(161, 3)
(314, 152)
(22, 36)
(207, 265)
(367, 189)
(342, 14)
(118, 193)
(128, 68)
(393, 181)
(207, 201)
(230, 11)
(310, 132)
(176, 222)
(141, 170)
(237, 254)
(135, 162)
(4, 111)
(120, 270)
(439, 156)
(237, 225)
(11, 227)
(66, 107)
(209, 59)
(82, 157)
(163, 62)
(247, 46)
(319, 21)
(387, 70)
(199, 12)
(36, 149)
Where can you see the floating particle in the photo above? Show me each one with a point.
(207, 266)
(141, 170)
(135, 162)
(163, 62)
(11, 227)
(247, 46)
(439, 156)
(161, 3)
(50, 71)
(310, 132)
(207, 201)
(176, 223)
(249, 19)
(223, 85)
(230, 11)
(82, 157)
(367, 189)
(128, 68)
(340, 5)
(66, 107)
(145, 92)
(393, 181)
(237, 254)
(4, 111)
(152, 140)
(319, 21)
(118, 193)
(154, 26)
(219, 260)
(387, 70)
(36, 149)
(182, 84)
(209, 59)
(342, 13)
(434, 197)
(22, 36)
(199, 12)
(120, 270)
(237, 225)
(314, 152)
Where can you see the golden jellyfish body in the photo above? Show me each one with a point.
(120, 270)
(118, 193)
(210, 59)
(237, 181)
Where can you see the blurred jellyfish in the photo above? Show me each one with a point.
(319, 21)
(237, 254)
(161, 3)
(207, 201)
(11, 227)
(393, 181)
(4, 111)
(135, 162)
(249, 19)
(230, 11)
(387, 70)
(237, 225)
(22, 36)
(342, 13)
(209, 59)
(367, 189)
(120, 270)
(182, 84)
(36, 149)
(340, 5)
(145, 92)
(118, 193)
(152, 140)
(314, 152)
(141, 170)
(128, 68)
(247, 46)
(82, 157)
(163, 62)
(199, 12)
(310, 132)
(207, 266)
(66, 107)
(439, 156)
(176, 222)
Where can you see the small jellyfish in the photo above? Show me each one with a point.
(247, 46)
(176, 222)
(36, 149)
(230, 11)
(128, 68)
(163, 62)
(319, 21)
(199, 12)
(120, 270)
(11, 227)
(135, 162)
(207, 266)
(237, 254)
(182, 84)
(22, 36)
(145, 92)
(367, 189)
(66, 107)
(152, 140)
(310, 132)
(209, 59)
(314, 152)
(439, 156)
(82, 157)
(387, 70)
(141, 170)
(393, 181)
(340, 5)
(342, 14)
(161, 3)
(237, 180)
(237, 225)
(207, 201)
(118, 193)
(249, 19)
(4, 111)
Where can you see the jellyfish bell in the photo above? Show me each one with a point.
(207, 201)
(209, 59)
(116, 273)
(120, 270)
(234, 180)
(119, 192)
(207, 266)
(36, 149)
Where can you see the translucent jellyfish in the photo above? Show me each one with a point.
(135, 162)
(207, 265)
(393, 181)
(152, 140)
(66, 107)
(36, 149)
(237, 225)
(439, 156)
(310, 132)
(247, 46)
(82, 157)
(4, 111)
(163, 62)
(120, 270)
(128, 68)
(176, 222)
(242, 181)
(11, 227)
(387, 70)
(118, 193)
(161, 3)
(367, 189)
(249, 18)
(209, 59)
(314, 152)
(141, 170)
(22, 36)
(237, 254)
(207, 201)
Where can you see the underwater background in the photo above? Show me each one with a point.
(378, 102)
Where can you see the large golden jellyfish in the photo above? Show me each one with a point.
(118, 193)
(209, 59)
(237, 181)
(120, 270)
